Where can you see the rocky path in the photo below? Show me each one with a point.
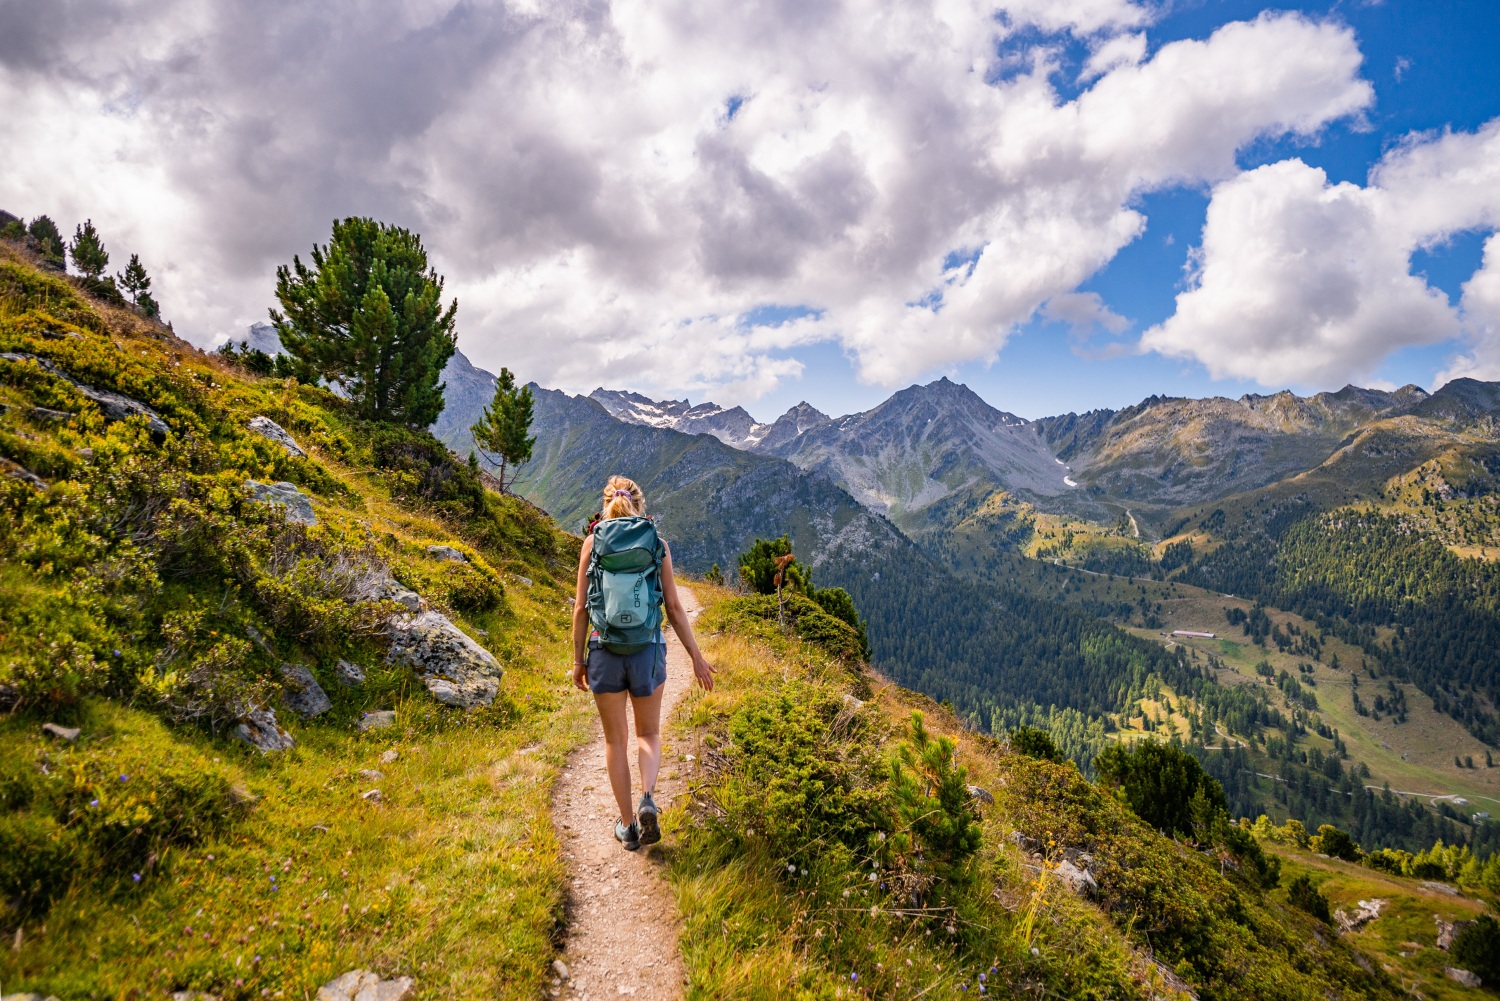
(622, 919)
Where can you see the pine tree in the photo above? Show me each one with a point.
(49, 240)
(135, 281)
(89, 255)
(501, 431)
(368, 316)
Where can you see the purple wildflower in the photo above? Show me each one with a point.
(135, 877)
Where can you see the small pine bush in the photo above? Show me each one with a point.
(1034, 743)
(1301, 893)
(1477, 949)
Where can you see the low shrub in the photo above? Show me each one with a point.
(1476, 948)
(1301, 893)
(38, 858)
(1034, 743)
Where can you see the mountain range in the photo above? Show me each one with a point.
(934, 460)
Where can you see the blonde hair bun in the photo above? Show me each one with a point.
(623, 499)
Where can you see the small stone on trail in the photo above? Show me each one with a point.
(350, 674)
(388, 757)
(526, 580)
(372, 796)
(377, 720)
(267, 428)
(561, 969)
(371, 774)
(67, 733)
(447, 553)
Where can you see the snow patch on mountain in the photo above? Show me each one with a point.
(733, 425)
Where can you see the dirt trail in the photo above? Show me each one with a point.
(622, 919)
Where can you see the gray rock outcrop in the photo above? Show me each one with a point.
(349, 673)
(1357, 917)
(1076, 878)
(298, 505)
(260, 730)
(447, 553)
(362, 985)
(115, 406)
(67, 734)
(269, 429)
(16, 471)
(456, 670)
(378, 720)
(302, 693)
(1463, 977)
(1447, 931)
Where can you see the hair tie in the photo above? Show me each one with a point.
(622, 493)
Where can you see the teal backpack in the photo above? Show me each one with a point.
(625, 584)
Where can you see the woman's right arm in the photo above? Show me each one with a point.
(581, 619)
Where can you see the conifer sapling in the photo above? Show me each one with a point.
(134, 280)
(501, 431)
(89, 255)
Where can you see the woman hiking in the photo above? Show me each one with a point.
(619, 651)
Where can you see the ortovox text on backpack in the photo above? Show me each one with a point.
(625, 584)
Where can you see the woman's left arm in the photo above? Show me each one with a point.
(703, 671)
(581, 619)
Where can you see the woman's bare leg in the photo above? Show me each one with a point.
(648, 737)
(616, 753)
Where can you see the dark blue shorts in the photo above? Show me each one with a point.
(641, 673)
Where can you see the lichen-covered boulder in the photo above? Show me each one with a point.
(456, 670)
(260, 730)
(298, 505)
(302, 694)
(269, 429)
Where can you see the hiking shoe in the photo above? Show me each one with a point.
(645, 817)
(630, 836)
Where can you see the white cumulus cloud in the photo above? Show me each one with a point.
(612, 188)
(1303, 281)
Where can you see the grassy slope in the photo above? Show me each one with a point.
(1404, 938)
(454, 877)
(756, 930)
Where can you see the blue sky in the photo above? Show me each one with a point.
(1434, 64)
